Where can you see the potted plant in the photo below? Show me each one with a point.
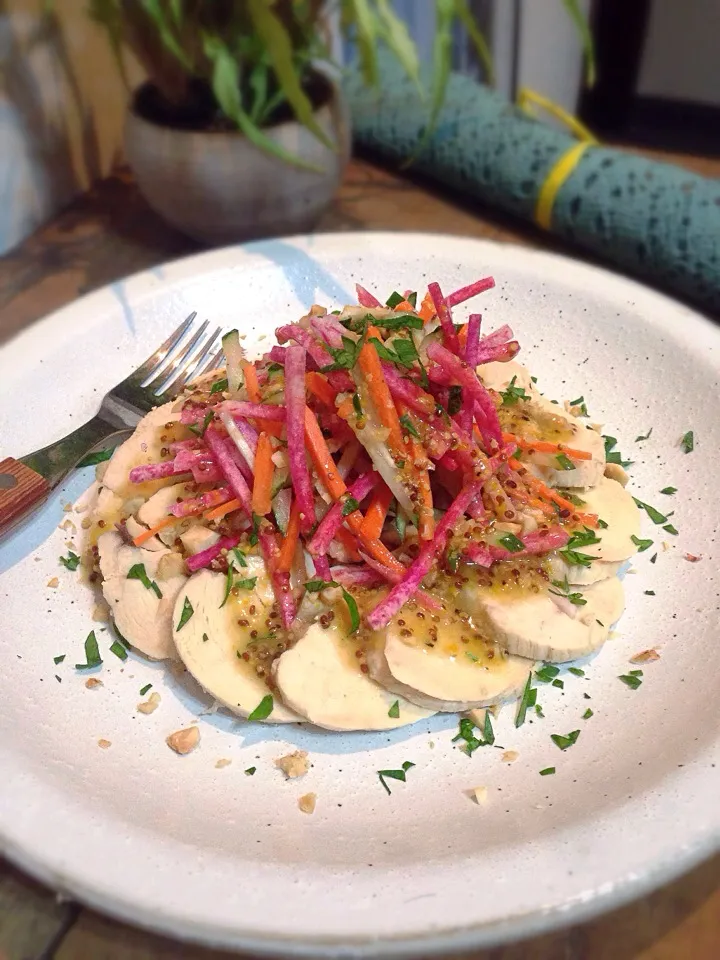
(240, 129)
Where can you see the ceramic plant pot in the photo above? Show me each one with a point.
(219, 188)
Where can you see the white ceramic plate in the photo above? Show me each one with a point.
(213, 855)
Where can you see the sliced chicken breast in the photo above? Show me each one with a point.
(497, 376)
(142, 617)
(321, 679)
(578, 575)
(616, 507)
(440, 671)
(213, 634)
(541, 626)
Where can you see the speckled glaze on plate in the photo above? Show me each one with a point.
(213, 855)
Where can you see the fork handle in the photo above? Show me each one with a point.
(20, 489)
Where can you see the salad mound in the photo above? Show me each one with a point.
(379, 519)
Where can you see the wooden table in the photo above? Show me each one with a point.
(111, 232)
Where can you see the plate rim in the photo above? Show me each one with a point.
(492, 933)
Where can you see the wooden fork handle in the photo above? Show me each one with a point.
(20, 489)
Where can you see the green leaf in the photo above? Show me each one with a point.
(279, 46)
(248, 584)
(155, 10)
(350, 505)
(631, 681)
(586, 38)
(642, 545)
(524, 702)
(547, 772)
(409, 426)
(396, 36)
(352, 610)
(564, 462)
(187, 612)
(547, 673)
(137, 572)
(394, 774)
(71, 561)
(669, 491)
(357, 405)
(220, 386)
(263, 710)
(400, 524)
(315, 586)
(441, 66)
(239, 556)
(394, 711)
(482, 49)
(467, 734)
(144, 690)
(394, 299)
(688, 441)
(564, 742)
(59, 659)
(98, 457)
(119, 650)
(400, 321)
(229, 577)
(363, 17)
(588, 713)
(488, 731)
(511, 542)
(654, 514)
(576, 671)
(645, 436)
(92, 653)
(669, 528)
(250, 772)
(511, 394)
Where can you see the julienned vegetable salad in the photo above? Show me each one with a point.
(380, 518)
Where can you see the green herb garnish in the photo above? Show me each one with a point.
(229, 577)
(669, 528)
(400, 524)
(59, 659)
(512, 394)
(263, 710)
(187, 612)
(631, 681)
(345, 357)
(576, 671)
(409, 426)
(642, 545)
(98, 457)
(559, 684)
(467, 734)
(588, 713)
(137, 572)
(654, 514)
(119, 650)
(219, 386)
(488, 731)
(239, 556)
(669, 491)
(602, 524)
(349, 506)
(71, 561)
(511, 542)
(548, 771)
(315, 586)
(580, 402)
(564, 462)
(248, 584)
(394, 774)
(253, 538)
(200, 431)
(547, 673)
(645, 436)
(144, 690)
(357, 405)
(394, 299)
(250, 771)
(538, 710)
(564, 742)
(394, 711)
(524, 702)
(471, 656)
(688, 442)
(614, 456)
(92, 653)
(563, 590)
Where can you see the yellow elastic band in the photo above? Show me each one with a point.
(559, 173)
(528, 100)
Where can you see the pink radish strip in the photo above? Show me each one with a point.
(480, 554)
(277, 355)
(475, 390)
(193, 412)
(497, 337)
(341, 381)
(280, 581)
(295, 426)
(206, 501)
(391, 576)
(178, 445)
(472, 343)
(255, 411)
(205, 557)
(154, 471)
(537, 542)
(333, 519)
(331, 330)
(500, 354)
(226, 458)
(450, 338)
(410, 393)
(322, 568)
(420, 567)
(365, 298)
(297, 333)
(351, 575)
(471, 290)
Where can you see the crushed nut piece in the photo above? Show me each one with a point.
(86, 523)
(100, 613)
(183, 741)
(92, 683)
(53, 582)
(223, 762)
(510, 756)
(692, 558)
(294, 764)
(477, 716)
(150, 706)
(613, 471)
(307, 803)
(480, 795)
(70, 545)
(104, 744)
(67, 508)
(646, 656)
(67, 524)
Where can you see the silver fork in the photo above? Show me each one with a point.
(26, 482)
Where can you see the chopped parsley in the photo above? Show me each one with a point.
(144, 690)
(253, 538)
(581, 538)
(137, 572)
(119, 650)
(467, 733)
(357, 405)
(525, 701)
(98, 457)
(653, 558)
(576, 671)
(573, 498)
(649, 593)
(669, 491)
(669, 528)
(187, 612)
(394, 711)
(559, 684)
(205, 638)
(631, 680)
(219, 386)
(92, 653)
(350, 505)
(453, 561)
(688, 442)
(547, 772)
(471, 656)
(511, 542)
(240, 557)
(538, 710)
(588, 713)
(263, 710)
(71, 561)
(645, 436)
(642, 545)
(602, 524)
(250, 771)
(564, 742)
(59, 659)
(229, 577)
(315, 586)
(248, 584)
(394, 774)
(563, 590)
(345, 357)
(394, 299)
(200, 431)
(512, 394)
(409, 426)
(547, 673)
(488, 731)
(580, 402)
(612, 455)
(654, 514)
(402, 321)
(564, 462)
(400, 523)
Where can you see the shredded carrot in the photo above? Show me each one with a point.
(264, 469)
(462, 336)
(346, 409)
(143, 537)
(404, 307)
(222, 510)
(319, 387)
(290, 540)
(427, 309)
(327, 472)
(544, 446)
(426, 516)
(347, 540)
(377, 511)
(379, 391)
(589, 519)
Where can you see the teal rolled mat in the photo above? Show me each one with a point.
(651, 219)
